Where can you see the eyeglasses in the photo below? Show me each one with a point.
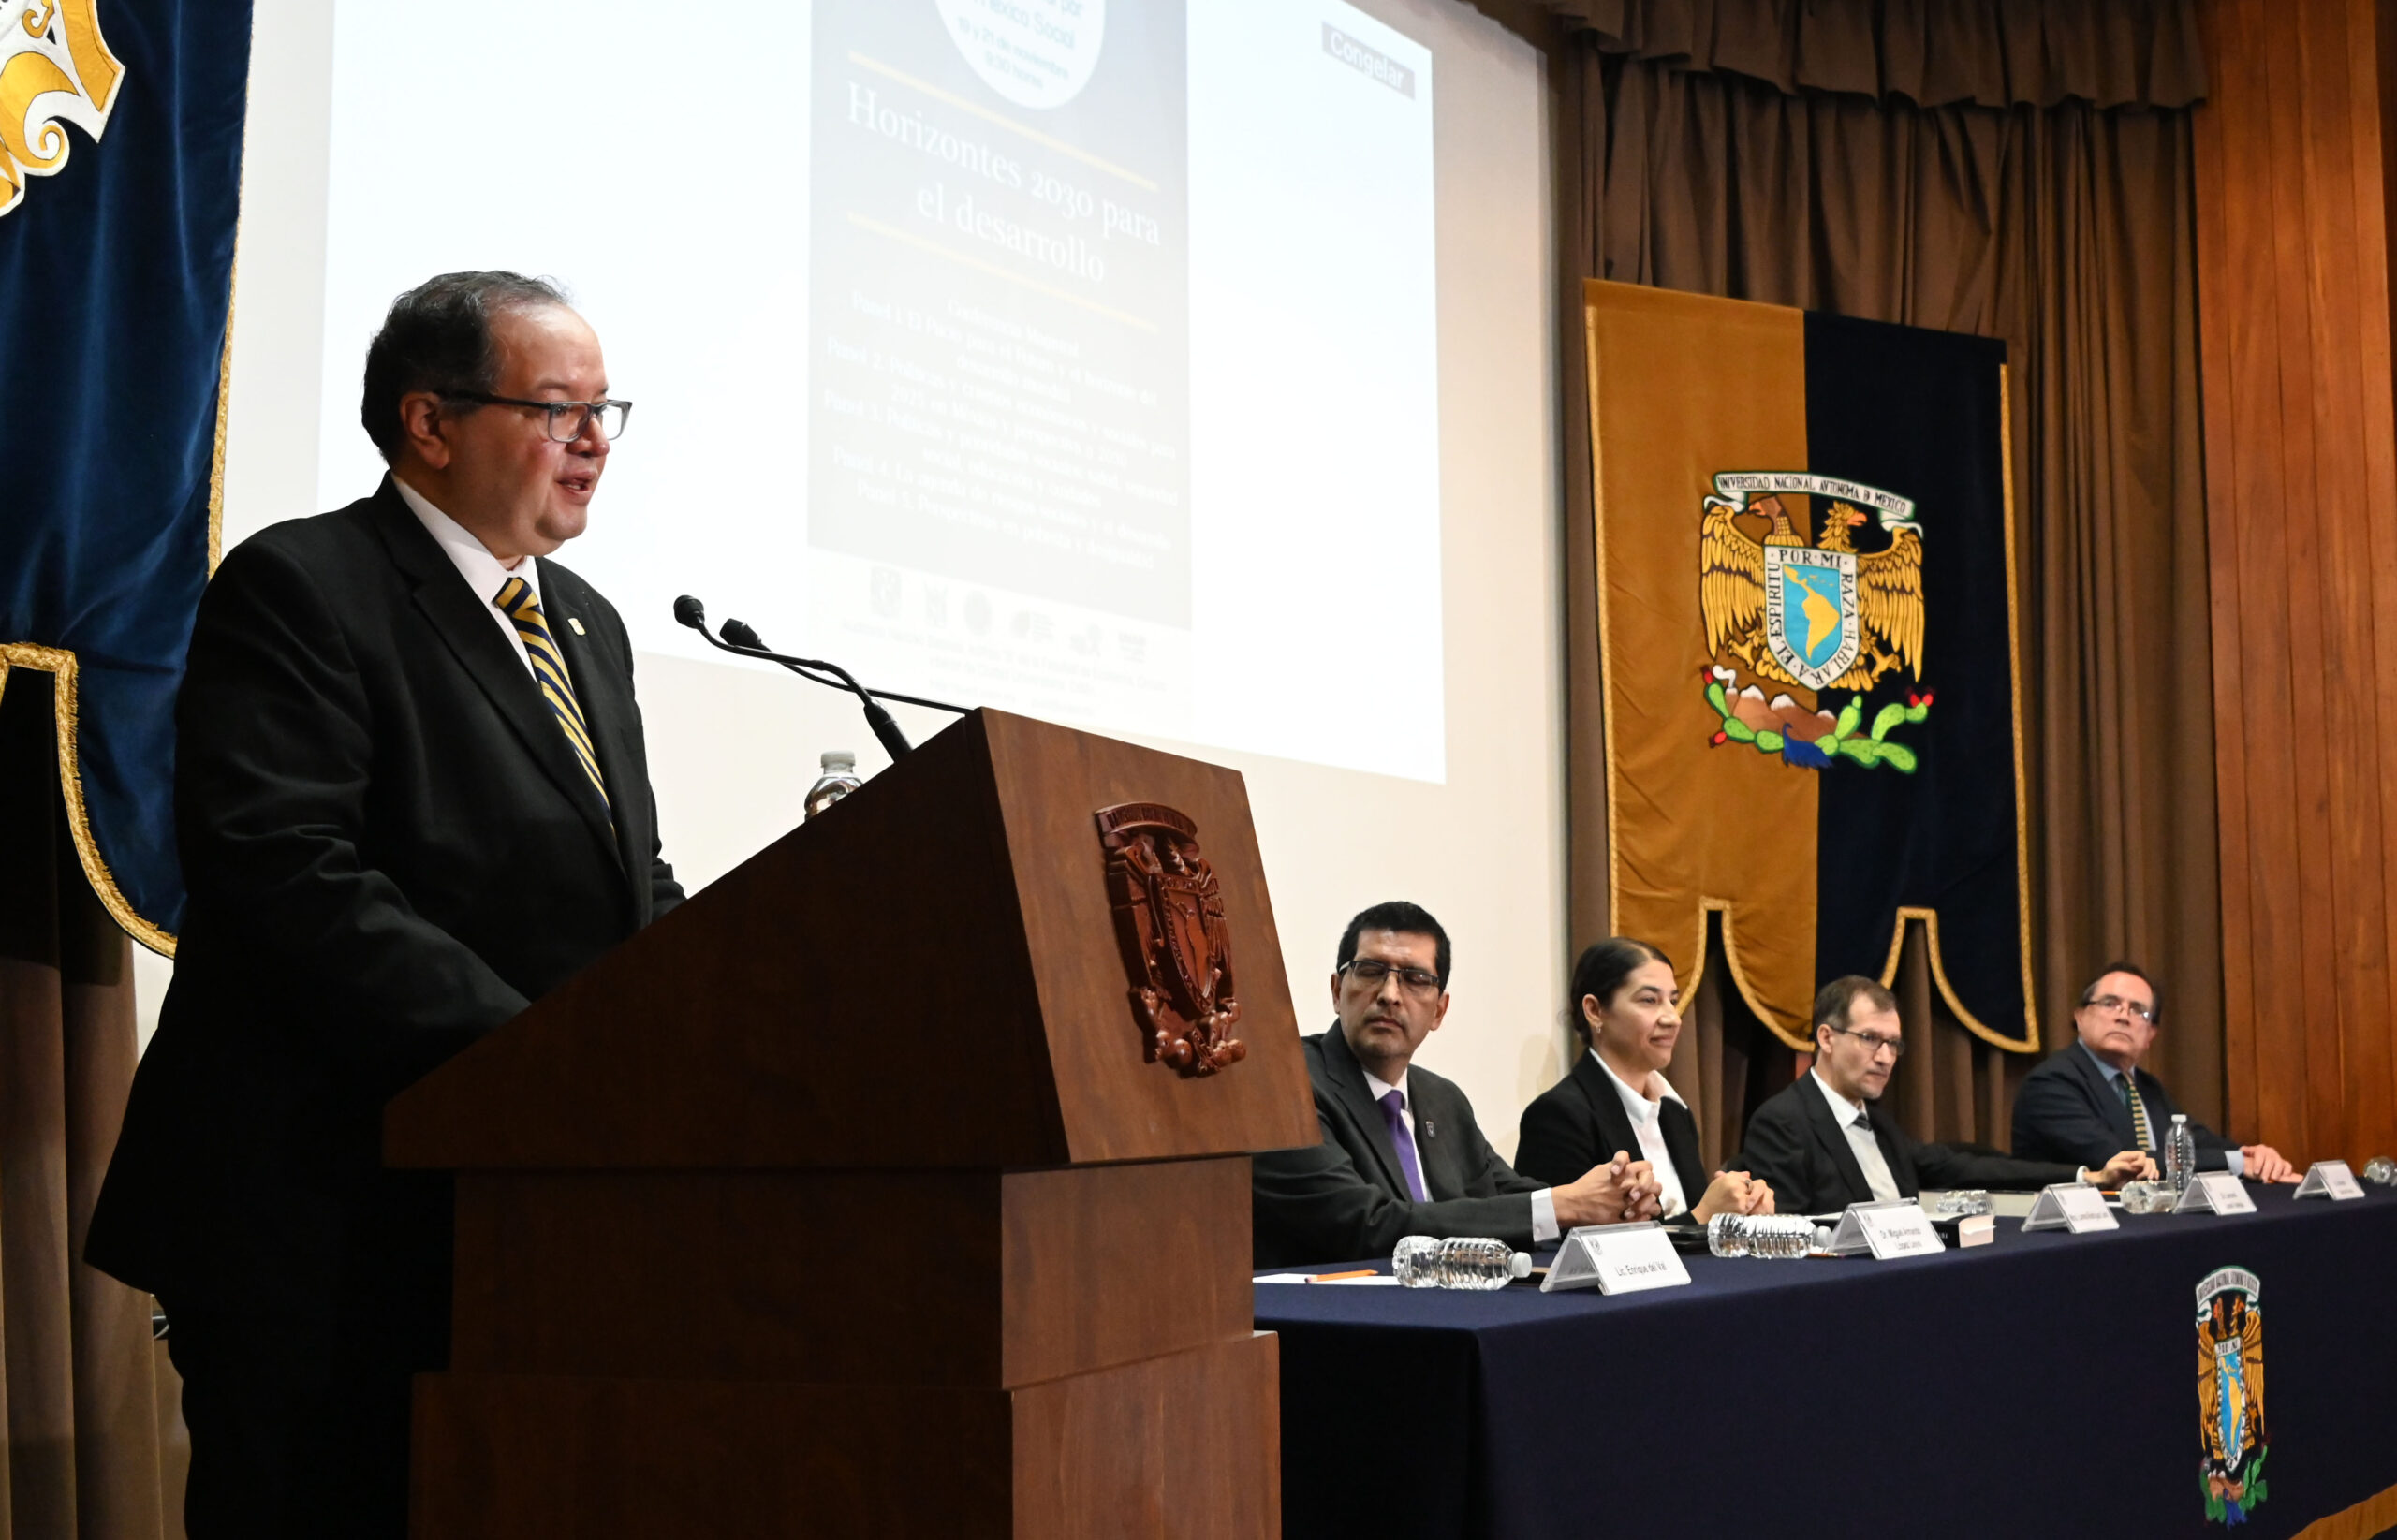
(1874, 1042)
(568, 418)
(1370, 973)
(2116, 1003)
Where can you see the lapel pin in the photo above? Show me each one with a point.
(1428, 1130)
(578, 627)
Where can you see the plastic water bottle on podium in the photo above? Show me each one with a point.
(2180, 1154)
(840, 778)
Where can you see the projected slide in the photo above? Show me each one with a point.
(1075, 357)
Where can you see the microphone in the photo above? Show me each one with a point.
(741, 639)
(689, 611)
(742, 635)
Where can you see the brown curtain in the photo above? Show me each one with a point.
(92, 1443)
(1782, 151)
(1930, 52)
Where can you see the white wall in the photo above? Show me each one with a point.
(733, 748)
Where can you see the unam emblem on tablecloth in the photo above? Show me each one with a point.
(2231, 1432)
(1177, 948)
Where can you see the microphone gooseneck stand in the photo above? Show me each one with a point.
(741, 640)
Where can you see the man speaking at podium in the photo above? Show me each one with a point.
(411, 797)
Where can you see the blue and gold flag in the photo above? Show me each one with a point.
(120, 184)
(1806, 621)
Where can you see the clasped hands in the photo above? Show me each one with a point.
(1625, 1189)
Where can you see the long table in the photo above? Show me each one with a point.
(2042, 1385)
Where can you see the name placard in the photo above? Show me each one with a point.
(1616, 1259)
(2329, 1179)
(2215, 1192)
(1896, 1228)
(2071, 1207)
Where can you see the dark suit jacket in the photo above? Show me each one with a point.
(1580, 1122)
(1797, 1145)
(1347, 1197)
(389, 849)
(2066, 1110)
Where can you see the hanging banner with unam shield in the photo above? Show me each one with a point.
(121, 131)
(1806, 623)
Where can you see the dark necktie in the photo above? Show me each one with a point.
(2140, 1129)
(522, 608)
(1395, 1109)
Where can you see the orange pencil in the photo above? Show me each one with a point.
(1335, 1276)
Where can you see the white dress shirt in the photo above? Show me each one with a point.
(1648, 1128)
(2234, 1160)
(477, 566)
(1868, 1149)
(1543, 1202)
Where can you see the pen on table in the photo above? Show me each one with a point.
(1335, 1276)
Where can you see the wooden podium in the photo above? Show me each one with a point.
(850, 1198)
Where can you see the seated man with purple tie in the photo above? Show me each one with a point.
(1402, 1153)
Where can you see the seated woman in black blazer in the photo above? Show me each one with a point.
(1615, 1103)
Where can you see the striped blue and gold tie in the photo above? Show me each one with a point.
(522, 608)
(2141, 1129)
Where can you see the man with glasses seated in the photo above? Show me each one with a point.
(2093, 1095)
(1402, 1153)
(1825, 1141)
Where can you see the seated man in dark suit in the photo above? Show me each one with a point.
(1400, 1153)
(1825, 1141)
(2092, 1095)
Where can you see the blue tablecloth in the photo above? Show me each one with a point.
(2042, 1385)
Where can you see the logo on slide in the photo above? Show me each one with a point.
(2230, 1394)
(1036, 54)
(55, 69)
(1177, 950)
(1821, 616)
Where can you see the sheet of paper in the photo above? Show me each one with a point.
(1853, 1234)
(2070, 1206)
(1616, 1259)
(2329, 1179)
(1899, 1229)
(2215, 1192)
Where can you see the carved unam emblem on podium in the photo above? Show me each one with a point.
(1177, 950)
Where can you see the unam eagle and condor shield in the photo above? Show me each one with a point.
(1806, 628)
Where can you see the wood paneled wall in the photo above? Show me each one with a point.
(2293, 156)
